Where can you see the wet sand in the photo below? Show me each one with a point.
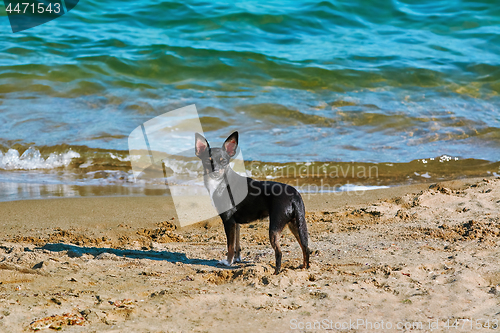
(412, 257)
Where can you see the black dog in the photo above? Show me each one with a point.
(282, 203)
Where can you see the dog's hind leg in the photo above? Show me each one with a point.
(237, 248)
(298, 227)
(274, 237)
(305, 250)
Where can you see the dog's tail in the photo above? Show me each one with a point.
(301, 234)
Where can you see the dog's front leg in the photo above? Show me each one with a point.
(237, 248)
(230, 228)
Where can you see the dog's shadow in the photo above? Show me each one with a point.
(173, 257)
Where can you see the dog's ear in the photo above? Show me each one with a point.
(200, 145)
(231, 144)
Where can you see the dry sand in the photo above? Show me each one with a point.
(414, 256)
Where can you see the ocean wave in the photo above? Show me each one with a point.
(88, 164)
(326, 81)
(31, 159)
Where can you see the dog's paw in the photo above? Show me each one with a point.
(238, 259)
(224, 262)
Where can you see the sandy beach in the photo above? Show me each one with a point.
(383, 114)
(410, 258)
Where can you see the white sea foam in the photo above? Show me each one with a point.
(353, 187)
(87, 164)
(344, 188)
(31, 159)
(192, 168)
(124, 159)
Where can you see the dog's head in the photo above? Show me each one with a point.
(216, 160)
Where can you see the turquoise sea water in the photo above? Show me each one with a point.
(303, 81)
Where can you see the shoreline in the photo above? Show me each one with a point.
(72, 212)
(155, 206)
(326, 177)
